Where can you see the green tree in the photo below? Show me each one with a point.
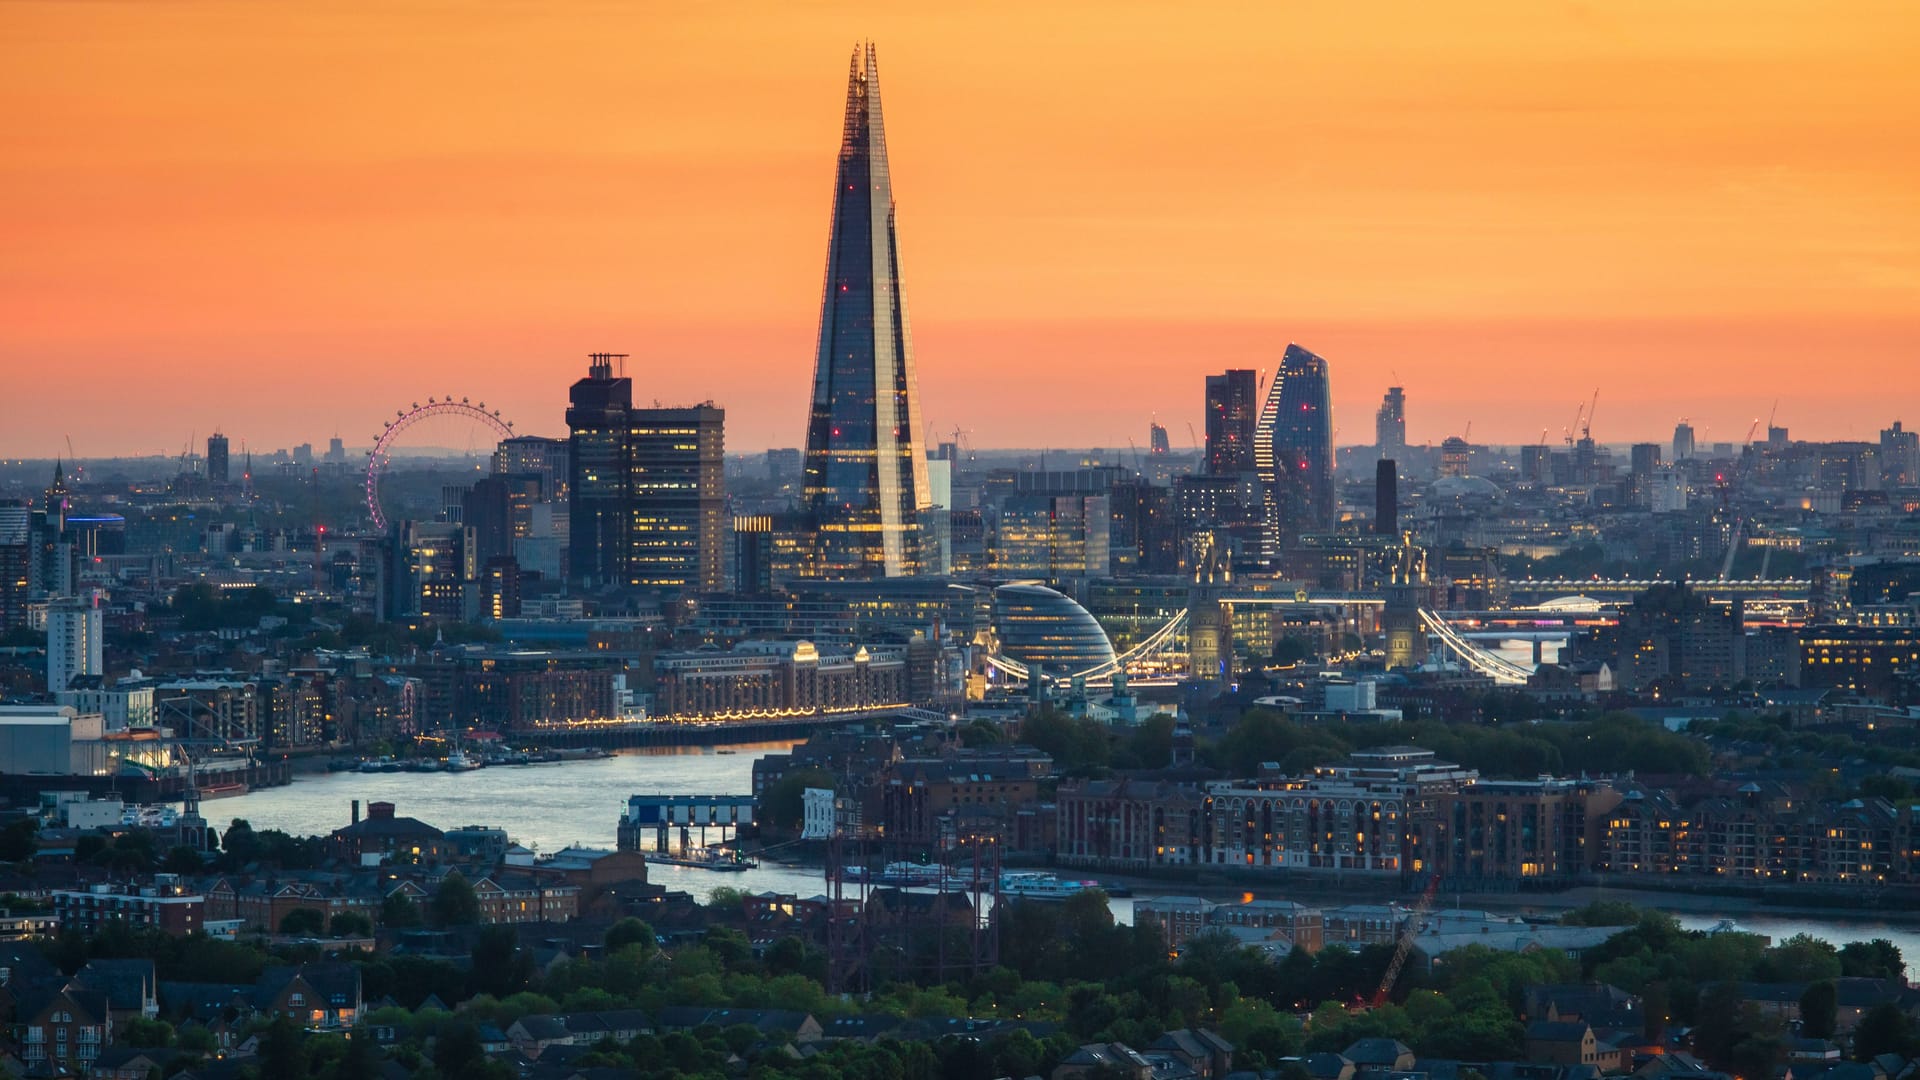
(1819, 1009)
(19, 840)
(303, 922)
(283, 1053)
(499, 969)
(1876, 959)
(1800, 958)
(632, 932)
(454, 902)
(350, 924)
(1885, 1029)
(398, 911)
(146, 1033)
(785, 804)
(182, 859)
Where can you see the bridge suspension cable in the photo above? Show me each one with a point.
(1498, 668)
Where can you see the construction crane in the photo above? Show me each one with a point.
(1586, 428)
(1416, 922)
(1736, 537)
(1193, 438)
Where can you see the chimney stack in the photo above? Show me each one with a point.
(356, 812)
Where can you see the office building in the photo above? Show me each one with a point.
(676, 498)
(1646, 459)
(75, 635)
(1295, 448)
(1386, 497)
(16, 564)
(217, 468)
(1048, 631)
(535, 456)
(434, 572)
(1900, 456)
(866, 475)
(785, 466)
(753, 539)
(1157, 444)
(1682, 441)
(1232, 417)
(1055, 537)
(647, 488)
(597, 463)
(1390, 423)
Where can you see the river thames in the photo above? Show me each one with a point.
(548, 807)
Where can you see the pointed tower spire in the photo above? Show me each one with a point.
(866, 474)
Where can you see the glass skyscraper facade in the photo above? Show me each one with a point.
(1294, 447)
(866, 480)
(1230, 421)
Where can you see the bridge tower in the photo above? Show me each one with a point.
(1407, 592)
(1209, 620)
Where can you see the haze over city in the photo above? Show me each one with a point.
(287, 221)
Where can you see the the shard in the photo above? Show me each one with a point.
(866, 475)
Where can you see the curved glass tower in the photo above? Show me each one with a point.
(866, 476)
(1293, 448)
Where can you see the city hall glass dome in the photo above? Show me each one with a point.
(1044, 629)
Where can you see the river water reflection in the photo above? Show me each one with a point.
(548, 807)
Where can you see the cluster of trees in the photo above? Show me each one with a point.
(1067, 965)
(1781, 741)
(1083, 747)
(200, 606)
(1692, 978)
(1612, 742)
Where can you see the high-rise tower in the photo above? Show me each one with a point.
(866, 476)
(217, 468)
(597, 409)
(1293, 449)
(1390, 423)
(1231, 416)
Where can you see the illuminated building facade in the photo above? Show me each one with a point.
(779, 678)
(1366, 815)
(647, 490)
(865, 483)
(1293, 450)
(1047, 630)
(676, 498)
(1232, 413)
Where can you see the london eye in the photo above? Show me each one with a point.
(381, 455)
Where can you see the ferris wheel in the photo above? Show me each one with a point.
(379, 456)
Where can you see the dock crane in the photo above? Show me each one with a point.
(1416, 922)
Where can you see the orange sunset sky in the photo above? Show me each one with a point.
(287, 219)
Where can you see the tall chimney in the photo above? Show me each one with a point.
(1386, 498)
(356, 811)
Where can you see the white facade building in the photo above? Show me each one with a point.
(74, 638)
(816, 819)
